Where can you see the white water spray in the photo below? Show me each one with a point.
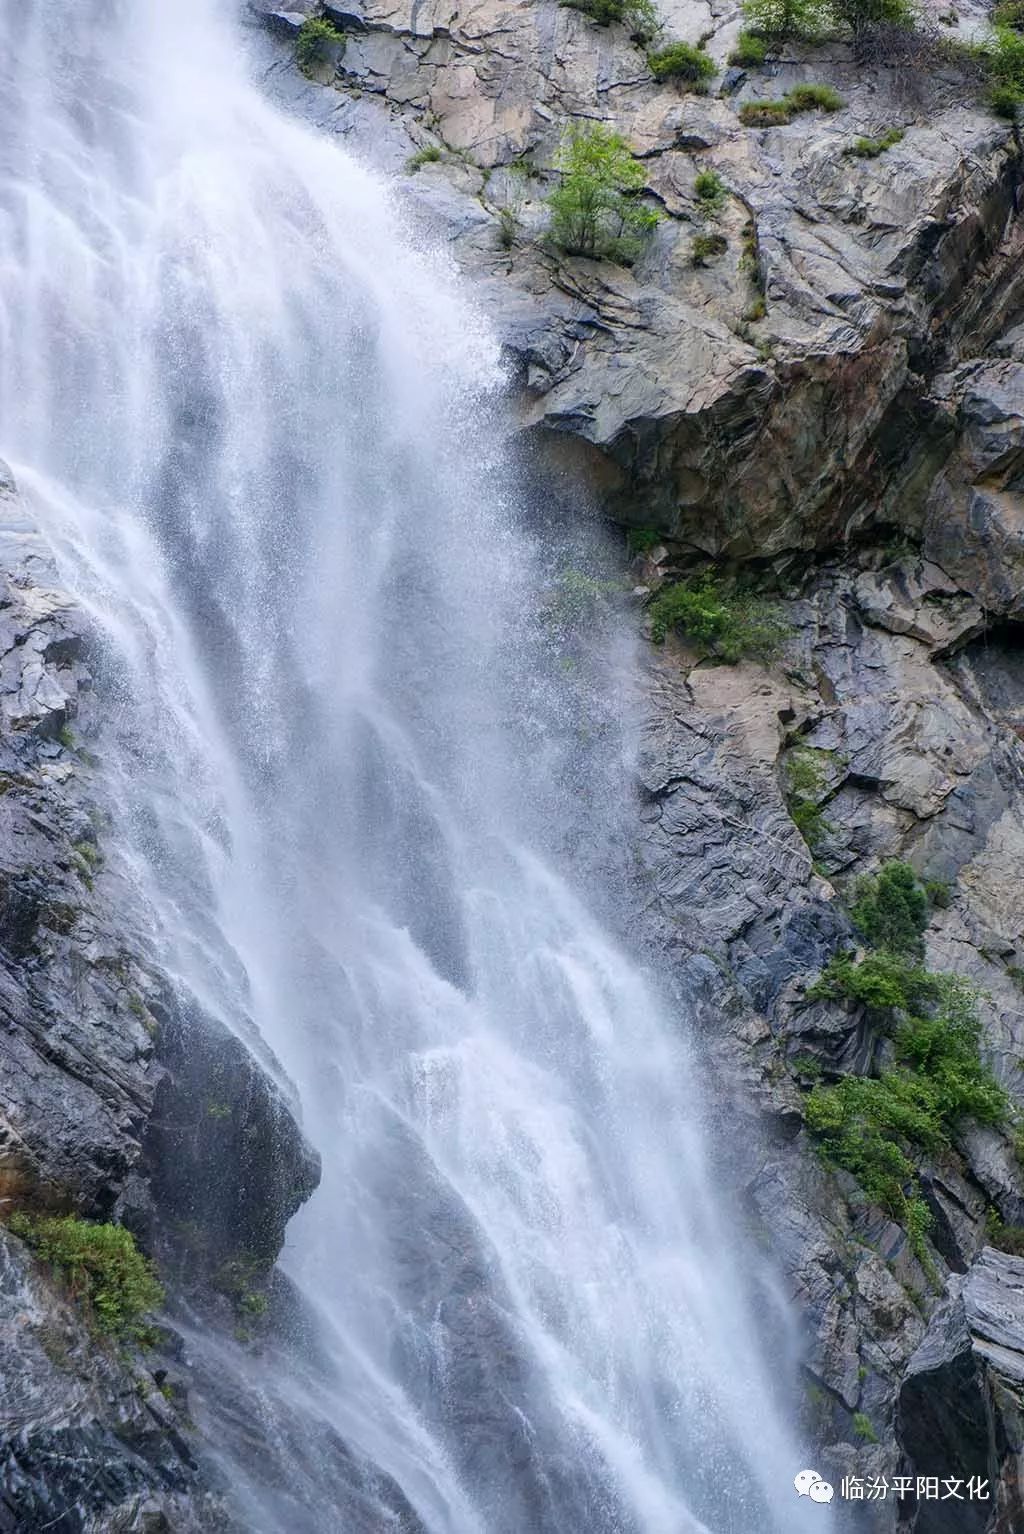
(254, 425)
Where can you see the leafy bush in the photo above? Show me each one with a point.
(726, 626)
(315, 41)
(751, 51)
(883, 981)
(814, 98)
(891, 910)
(861, 15)
(1006, 101)
(100, 1265)
(428, 155)
(764, 114)
(873, 1126)
(681, 61)
(1002, 59)
(1009, 13)
(709, 190)
(1008, 1238)
(640, 16)
(871, 148)
(594, 211)
(806, 781)
(863, 1427)
(779, 20)
(707, 247)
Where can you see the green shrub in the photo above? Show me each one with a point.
(779, 20)
(1006, 101)
(1008, 1238)
(640, 16)
(707, 247)
(725, 625)
(1009, 13)
(874, 1126)
(814, 98)
(871, 148)
(709, 190)
(681, 61)
(890, 910)
(428, 155)
(863, 1428)
(806, 782)
(101, 1266)
(315, 40)
(862, 15)
(594, 211)
(881, 980)
(764, 114)
(1002, 57)
(751, 51)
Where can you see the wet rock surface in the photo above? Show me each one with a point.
(107, 1082)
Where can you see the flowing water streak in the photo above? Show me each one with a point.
(256, 429)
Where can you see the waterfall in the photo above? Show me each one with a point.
(261, 432)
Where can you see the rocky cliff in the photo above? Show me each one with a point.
(832, 406)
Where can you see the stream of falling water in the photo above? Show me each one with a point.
(259, 432)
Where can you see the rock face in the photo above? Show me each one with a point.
(961, 1404)
(786, 392)
(106, 1081)
(87, 1441)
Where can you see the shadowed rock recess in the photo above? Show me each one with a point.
(829, 412)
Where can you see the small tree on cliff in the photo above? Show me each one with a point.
(595, 209)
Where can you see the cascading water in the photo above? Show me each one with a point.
(253, 425)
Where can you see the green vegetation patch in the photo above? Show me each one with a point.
(681, 61)
(764, 114)
(640, 540)
(710, 191)
(806, 771)
(751, 51)
(875, 1126)
(1002, 58)
(890, 910)
(871, 148)
(706, 248)
(101, 1267)
(813, 98)
(726, 625)
(428, 155)
(316, 40)
(594, 210)
(639, 16)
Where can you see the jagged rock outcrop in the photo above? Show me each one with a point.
(961, 1404)
(88, 1440)
(775, 398)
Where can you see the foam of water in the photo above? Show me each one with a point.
(256, 427)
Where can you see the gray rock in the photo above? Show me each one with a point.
(88, 1441)
(961, 1403)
